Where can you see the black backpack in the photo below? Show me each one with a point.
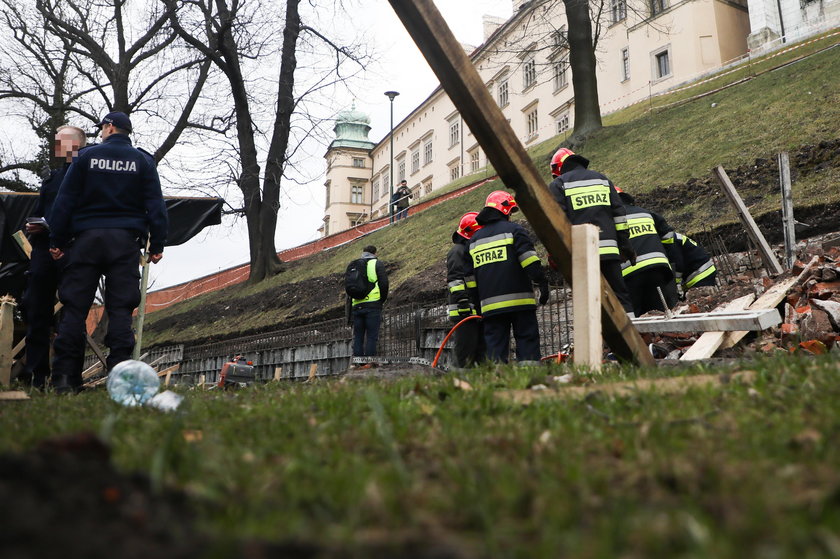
(356, 282)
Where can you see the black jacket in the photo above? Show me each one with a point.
(111, 185)
(381, 286)
(46, 198)
(590, 197)
(504, 263)
(652, 240)
(460, 284)
(695, 267)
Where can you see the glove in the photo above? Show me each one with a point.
(464, 308)
(627, 253)
(544, 293)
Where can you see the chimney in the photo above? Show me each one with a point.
(491, 23)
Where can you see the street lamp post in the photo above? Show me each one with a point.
(391, 95)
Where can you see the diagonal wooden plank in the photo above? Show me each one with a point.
(707, 344)
(467, 90)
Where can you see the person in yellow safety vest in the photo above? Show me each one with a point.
(366, 313)
(694, 266)
(589, 197)
(463, 296)
(652, 240)
(505, 265)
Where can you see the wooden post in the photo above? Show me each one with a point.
(7, 330)
(141, 310)
(787, 209)
(313, 369)
(586, 296)
(773, 266)
(467, 90)
(278, 373)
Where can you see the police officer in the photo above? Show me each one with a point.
(366, 313)
(693, 266)
(505, 264)
(39, 299)
(589, 197)
(652, 240)
(463, 295)
(109, 201)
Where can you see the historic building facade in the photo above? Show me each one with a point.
(643, 47)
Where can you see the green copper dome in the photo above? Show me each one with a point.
(351, 129)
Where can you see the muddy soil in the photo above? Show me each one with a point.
(320, 299)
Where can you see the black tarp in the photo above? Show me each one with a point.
(187, 216)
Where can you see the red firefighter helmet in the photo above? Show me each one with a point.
(557, 160)
(502, 201)
(618, 189)
(468, 226)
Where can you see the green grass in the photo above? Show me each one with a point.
(726, 471)
(639, 149)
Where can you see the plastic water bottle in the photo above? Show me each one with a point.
(132, 383)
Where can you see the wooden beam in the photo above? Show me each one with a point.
(24, 243)
(467, 90)
(707, 344)
(773, 266)
(96, 349)
(586, 297)
(13, 395)
(278, 373)
(7, 330)
(723, 321)
(787, 209)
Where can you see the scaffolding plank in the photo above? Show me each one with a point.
(707, 344)
(586, 298)
(469, 94)
(711, 322)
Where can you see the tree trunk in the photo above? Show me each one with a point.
(583, 63)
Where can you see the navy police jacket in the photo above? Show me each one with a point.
(111, 185)
(590, 197)
(46, 197)
(504, 263)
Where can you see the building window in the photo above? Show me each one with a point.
(561, 75)
(657, 7)
(529, 73)
(415, 161)
(386, 181)
(618, 10)
(662, 61)
(358, 162)
(625, 64)
(427, 153)
(376, 190)
(454, 172)
(328, 196)
(427, 188)
(401, 170)
(454, 132)
(474, 161)
(533, 123)
(357, 194)
(503, 94)
(559, 37)
(562, 123)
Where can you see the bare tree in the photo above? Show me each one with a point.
(231, 34)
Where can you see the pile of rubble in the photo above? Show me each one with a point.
(807, 298)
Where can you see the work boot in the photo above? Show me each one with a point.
(66, 384)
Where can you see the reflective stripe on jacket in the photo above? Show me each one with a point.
(646, 231)
(696, 267)
(590, 197)
(375, 295)
(461, 284)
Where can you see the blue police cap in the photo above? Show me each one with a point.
(118, 119)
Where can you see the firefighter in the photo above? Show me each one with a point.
(693, 267)
(589, 197)
(504, 263)
(463, 295)
(652, 240)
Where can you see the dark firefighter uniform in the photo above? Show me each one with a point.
(42, 284)
(589, 197)
(694, 266)
(367, 313)
(463, 302)
(505, 264)
(109, 201)
(652, 240)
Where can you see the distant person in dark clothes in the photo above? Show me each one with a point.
(401, 200)
(366, 313)
(693, 266)
(39, 299)
(464, 302)
(505, 266)
(108, 203)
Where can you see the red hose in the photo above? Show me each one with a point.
(446, 339)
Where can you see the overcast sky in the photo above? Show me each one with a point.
(402, 68)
